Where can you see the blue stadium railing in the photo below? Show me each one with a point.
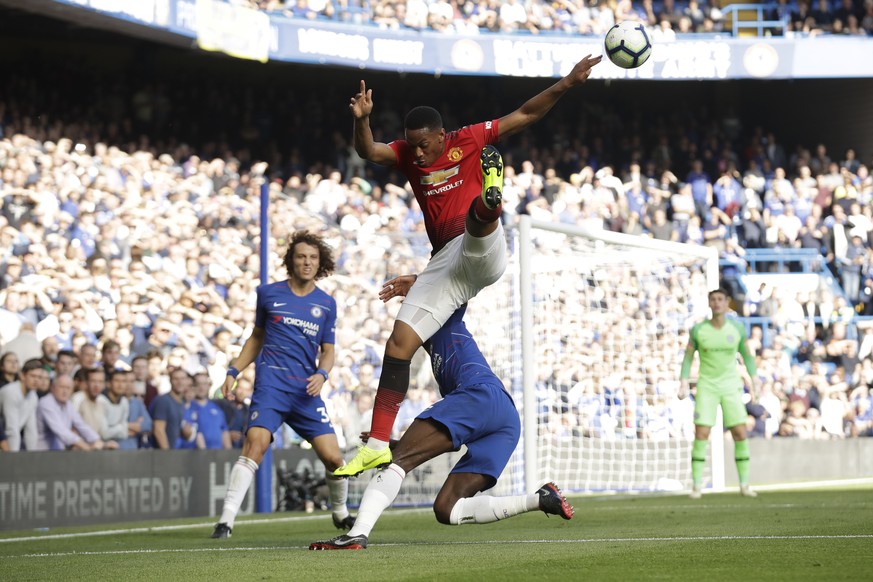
(785, 260)
(789, 261)
(735, 19)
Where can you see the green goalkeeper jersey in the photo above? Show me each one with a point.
(717, 349)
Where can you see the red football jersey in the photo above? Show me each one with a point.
(446, 189)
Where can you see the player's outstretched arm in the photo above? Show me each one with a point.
(361, 106)
(536, 107)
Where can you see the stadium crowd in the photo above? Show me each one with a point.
(129, 257)
(665, 18)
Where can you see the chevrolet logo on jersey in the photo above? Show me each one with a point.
(440, 176)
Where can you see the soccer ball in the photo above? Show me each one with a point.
(628, 44)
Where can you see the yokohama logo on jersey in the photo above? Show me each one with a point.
(308, 327)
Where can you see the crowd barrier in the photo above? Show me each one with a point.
(58, 489)
(66, 488)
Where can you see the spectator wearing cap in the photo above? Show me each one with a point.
(59, 425)
(18, 401)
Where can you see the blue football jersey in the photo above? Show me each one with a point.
(455, 357)
(294, 330)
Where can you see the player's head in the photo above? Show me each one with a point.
(304, 250)
(719, 301)
(425, 134)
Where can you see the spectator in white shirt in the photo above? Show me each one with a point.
(18, 402)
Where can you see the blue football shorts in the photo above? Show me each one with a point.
(307, 415)
(483, 418)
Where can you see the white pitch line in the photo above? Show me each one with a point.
(159, 528)
(454, 543)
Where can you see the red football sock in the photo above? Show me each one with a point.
(393, 384)
(385, 410)
(484, 214)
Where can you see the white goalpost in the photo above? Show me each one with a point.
(604, 320)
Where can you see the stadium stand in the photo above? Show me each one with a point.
(666, 17)
(129, 213)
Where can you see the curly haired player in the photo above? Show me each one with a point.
(292, 346)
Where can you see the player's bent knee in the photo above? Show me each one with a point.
(442, 512)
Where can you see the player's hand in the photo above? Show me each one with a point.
(397, 287)
(315, 384)
(110, 445)
(362, 103)
(582, 70)
(683, 390)
(227, 390)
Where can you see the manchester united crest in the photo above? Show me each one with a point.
(455, 154)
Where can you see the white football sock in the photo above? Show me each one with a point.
(339, 493)
(241, 477)
(379, 495)
(487, 509)
(376, 444)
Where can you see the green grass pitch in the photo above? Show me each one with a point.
(822, 534)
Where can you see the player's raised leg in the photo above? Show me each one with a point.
(492, 178)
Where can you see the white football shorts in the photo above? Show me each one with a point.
(461, 269)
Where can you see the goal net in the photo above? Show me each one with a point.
(587, 330)
(604, 320)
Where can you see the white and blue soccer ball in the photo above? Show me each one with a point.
(628, 45)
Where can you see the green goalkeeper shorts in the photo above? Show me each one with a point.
(707, 401)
